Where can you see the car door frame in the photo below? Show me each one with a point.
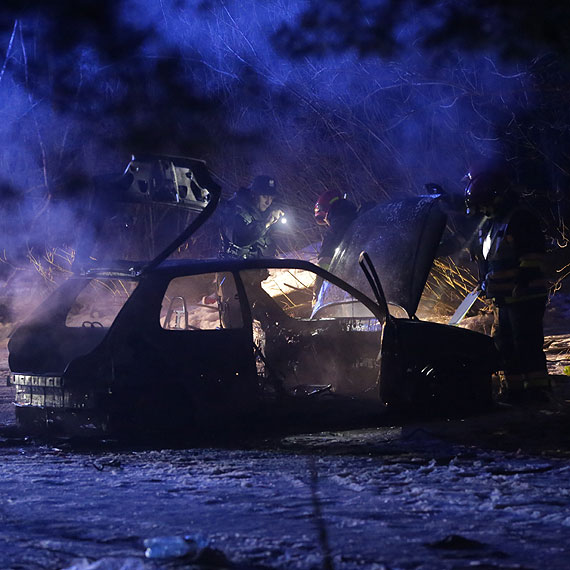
(379, 312)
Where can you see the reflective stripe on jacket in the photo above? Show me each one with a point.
(513, 250)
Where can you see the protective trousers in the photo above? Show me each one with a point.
(519, 336)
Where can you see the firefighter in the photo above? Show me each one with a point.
(334, 211)
(510, 252)
(245, 232)
(248, 217)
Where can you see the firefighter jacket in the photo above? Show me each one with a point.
(243, 230)
(511, 257)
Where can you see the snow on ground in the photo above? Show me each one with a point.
(407, 502)
(486, 492)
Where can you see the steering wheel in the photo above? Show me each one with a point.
(91, 324)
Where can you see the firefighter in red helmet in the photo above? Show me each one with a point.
(334, 211)
(510, 252)
(323, 204)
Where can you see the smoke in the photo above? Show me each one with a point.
(85, 83)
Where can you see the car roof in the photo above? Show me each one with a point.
(122, 269)
(170, 269)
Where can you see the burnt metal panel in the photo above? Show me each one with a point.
(43, 344)
(401, 238)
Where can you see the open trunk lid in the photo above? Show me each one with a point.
(146, 213)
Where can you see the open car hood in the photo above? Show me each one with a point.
(401, 238)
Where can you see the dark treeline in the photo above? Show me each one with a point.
(372, 98)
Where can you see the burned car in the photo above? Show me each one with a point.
(436, 366)
(135, 348)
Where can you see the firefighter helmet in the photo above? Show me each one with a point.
(323, 205)
(484, 189)
(264, 186)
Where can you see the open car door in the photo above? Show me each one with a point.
(333, 352)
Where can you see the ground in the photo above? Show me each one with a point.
(490, 491)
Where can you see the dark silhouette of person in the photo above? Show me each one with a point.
(335, 212)
(510, 253)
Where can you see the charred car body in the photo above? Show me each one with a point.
(133, 347)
